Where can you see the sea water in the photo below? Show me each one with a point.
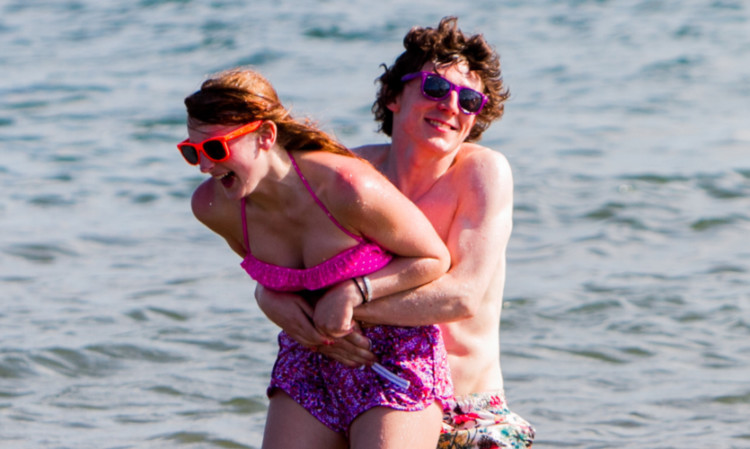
(124, 323)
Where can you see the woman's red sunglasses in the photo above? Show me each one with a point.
(215, 148)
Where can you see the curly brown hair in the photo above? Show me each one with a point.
(242, 95)
(444, 46)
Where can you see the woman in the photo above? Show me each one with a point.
(307, 216)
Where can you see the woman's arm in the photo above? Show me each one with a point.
(367, 203)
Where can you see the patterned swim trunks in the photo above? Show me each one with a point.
(483, 421)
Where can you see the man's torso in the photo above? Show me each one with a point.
(473, 344)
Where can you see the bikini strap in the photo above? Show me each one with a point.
(320, 203)
(244, 225)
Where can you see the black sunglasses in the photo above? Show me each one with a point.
(436, 88)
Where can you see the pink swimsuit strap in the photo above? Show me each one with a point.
(320, 203)
(359, 260)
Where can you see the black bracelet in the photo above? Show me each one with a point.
(361, 290)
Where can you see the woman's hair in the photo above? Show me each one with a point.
(241, 95)
(445, 46)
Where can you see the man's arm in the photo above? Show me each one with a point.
(477, 240)
(293, 314)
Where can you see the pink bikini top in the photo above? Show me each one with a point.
(364, 258)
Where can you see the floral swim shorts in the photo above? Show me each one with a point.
(336, 394)
(483, 421)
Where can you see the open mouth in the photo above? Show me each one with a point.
(227, 180)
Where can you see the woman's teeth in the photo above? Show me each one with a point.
(227, 179)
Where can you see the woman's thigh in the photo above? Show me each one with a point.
(290, 426)
(385, 428)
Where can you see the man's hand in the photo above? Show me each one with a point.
(293, 314)
(352, 350)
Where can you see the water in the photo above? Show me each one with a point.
(125, 323)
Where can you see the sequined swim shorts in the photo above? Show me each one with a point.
(483, 421)
(336, 394)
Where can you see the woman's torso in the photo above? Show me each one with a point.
(309, 251)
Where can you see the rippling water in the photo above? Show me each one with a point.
(124, 323)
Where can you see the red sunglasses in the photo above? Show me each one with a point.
(214, 148)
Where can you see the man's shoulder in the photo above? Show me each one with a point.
(483, 163)
(374, 153)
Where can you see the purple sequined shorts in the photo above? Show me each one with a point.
(336, 394)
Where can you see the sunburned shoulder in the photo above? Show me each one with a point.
(342, 172)
(344, 182)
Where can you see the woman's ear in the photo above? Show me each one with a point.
(267, 135)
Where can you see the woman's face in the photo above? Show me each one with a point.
(235, 174)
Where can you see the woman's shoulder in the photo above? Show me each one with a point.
(341, 173)
(211, 207)
(345, 184)
(203, 197)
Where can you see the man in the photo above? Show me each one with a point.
(438, 97)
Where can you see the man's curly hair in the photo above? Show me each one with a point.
(444, 46)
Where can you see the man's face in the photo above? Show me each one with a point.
(438, 123)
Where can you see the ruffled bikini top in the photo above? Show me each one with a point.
(364, 258)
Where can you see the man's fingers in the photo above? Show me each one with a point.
(346, 358)
(307, 335)
(356, 339)
(352, 350)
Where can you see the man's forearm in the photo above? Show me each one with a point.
(441, 301)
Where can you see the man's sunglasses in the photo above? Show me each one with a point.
(215, 148)
(436, 88)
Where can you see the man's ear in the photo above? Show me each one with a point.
(395, 105)
(267, 135)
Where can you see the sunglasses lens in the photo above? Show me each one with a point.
(435, 87)
(470, 100)
(189, 153)
(215, 150)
